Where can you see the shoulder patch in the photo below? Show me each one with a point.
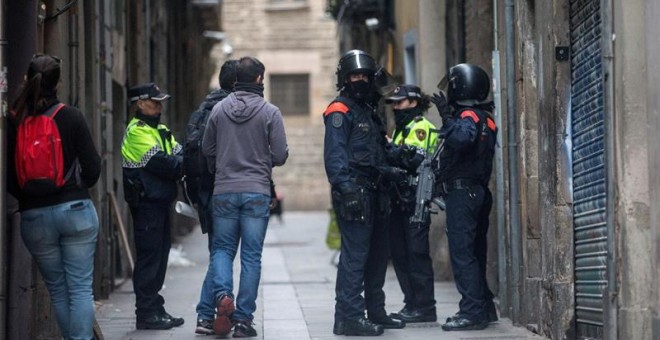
(471, 114)
(421, 134)
(336, 107)
(337, 120)
(141, 123)
(491, 124)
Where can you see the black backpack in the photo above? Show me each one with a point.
(194, 162)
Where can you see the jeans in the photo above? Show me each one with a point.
(206, 305)
(200, 191)
(239, 217)
(62, 241)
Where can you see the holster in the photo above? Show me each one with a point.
(362, 213)
(133, 192)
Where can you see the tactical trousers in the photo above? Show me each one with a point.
(467, 226)
(411, 258)
(362, 266)
(151, 224)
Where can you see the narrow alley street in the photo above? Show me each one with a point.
(296, 299)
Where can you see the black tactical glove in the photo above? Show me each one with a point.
(414, 159)
(440, 101)
(397, 154)
(350, 200)
(393, 174)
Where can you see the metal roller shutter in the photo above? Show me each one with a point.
(589, 189)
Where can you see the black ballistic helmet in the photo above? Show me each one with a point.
(355, 61)
(467, 84)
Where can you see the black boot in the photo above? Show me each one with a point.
(412, 315)
(361, 327)
(464, 324)
(338, 328)
(156, 321)
(388, 322)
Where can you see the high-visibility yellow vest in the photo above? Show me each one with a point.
(142, 141)
(420, 133)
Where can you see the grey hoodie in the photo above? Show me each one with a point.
(244, 139)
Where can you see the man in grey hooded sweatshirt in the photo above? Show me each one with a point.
(244, 139)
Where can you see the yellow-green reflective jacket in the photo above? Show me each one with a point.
(420, 133)
(142, 141)
(152, 164)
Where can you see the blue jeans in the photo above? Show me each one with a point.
(206, 305)
(239, 217)
(62, 241)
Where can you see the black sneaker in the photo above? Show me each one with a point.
(204, 327)
(244, 329)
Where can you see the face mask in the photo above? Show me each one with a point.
(403, 117)
(359, 89)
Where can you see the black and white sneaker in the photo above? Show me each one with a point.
(204, 327)
(244, 329)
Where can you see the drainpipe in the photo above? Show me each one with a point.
(514, 177)
(499, 169)
(3, 173)
(608, 109)
(74, 88)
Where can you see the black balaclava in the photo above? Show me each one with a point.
(360, 90)
(405, 116)
(152, 121)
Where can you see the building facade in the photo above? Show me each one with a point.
(106, 47)
(296, 41)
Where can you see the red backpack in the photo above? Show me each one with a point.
(39, 156)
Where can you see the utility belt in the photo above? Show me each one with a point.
(366, 183)
(459, 183)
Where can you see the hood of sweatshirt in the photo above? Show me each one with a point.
(213, 98)
(241, 106)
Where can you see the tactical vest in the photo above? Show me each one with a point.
(476, 161)
(365, 145)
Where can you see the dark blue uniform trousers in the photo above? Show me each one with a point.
(467, 227)
(411, 258)
(151, 231)
(362, 266)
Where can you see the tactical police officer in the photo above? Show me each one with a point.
(465, 167)
(354, 149)
(152, 165)
(409, 244)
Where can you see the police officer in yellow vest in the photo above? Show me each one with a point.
(152, 165)
(414, 138)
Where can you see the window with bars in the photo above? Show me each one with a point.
(290, 92)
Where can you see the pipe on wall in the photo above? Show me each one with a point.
(3, 173)
(611, 305)
(499, 168)
(514, 176)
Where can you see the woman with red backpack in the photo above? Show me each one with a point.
(52, 164)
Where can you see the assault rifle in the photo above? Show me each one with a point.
(425, 182)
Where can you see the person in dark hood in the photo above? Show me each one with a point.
(243, 140)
